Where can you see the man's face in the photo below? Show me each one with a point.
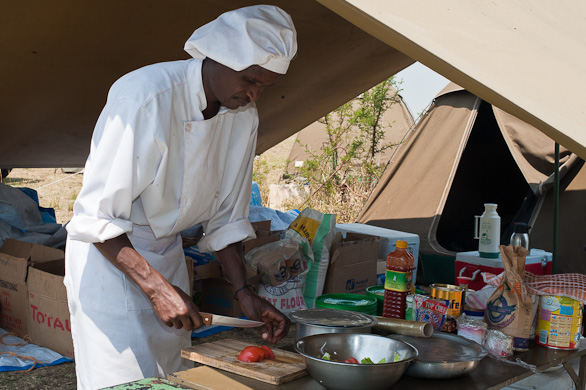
(236, 89)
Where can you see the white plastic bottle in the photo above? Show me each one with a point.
(487, 230)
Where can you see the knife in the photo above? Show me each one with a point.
(216, 319)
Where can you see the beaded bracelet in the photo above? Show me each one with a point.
(242, 288)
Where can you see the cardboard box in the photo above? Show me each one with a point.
(216, 293)
(353, 264)
(15, 257)
(387, 239)
(381, 270)
(48, 312)
(217, 296)
(263, 236)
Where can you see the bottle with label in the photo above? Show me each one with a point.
(487, 230)
(398, 281)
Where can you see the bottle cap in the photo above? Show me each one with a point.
(401, 244)
(521, 227)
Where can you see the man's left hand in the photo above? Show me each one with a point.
(256, 308)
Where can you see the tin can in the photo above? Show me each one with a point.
(452, 293)
(559, 322)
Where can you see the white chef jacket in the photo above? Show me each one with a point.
(156, 167)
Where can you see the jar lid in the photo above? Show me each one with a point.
(352, 302)
(520, 227)
(331, 317)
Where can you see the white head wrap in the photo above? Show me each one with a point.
(258, 35)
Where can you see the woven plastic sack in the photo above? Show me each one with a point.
(315, 231)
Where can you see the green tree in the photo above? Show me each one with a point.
(344, 172)
(369, 116)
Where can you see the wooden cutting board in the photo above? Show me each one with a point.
(223, 354)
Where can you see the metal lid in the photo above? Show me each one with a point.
(520, 227)
(446, 287)
(332, 317)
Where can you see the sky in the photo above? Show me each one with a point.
(419, 87)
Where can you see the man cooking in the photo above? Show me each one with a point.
(173, 147)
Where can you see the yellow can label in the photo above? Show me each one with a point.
(451, 293)
(559, 322)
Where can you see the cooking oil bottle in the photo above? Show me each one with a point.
(398, 281)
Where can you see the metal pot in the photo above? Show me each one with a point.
(317, 321)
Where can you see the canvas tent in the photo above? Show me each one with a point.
(463, 153)
(396, 121)
(60, 57)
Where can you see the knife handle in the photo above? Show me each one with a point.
(206, 317)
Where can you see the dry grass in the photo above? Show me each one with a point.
(55, 188)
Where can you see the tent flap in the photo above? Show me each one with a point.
(59, 59)
(501, 51)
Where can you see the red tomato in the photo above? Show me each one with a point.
(252, 354)
(270, 353)
(351, 360)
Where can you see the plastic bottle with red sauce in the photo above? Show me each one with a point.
(398, 280)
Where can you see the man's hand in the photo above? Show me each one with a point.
(176, 308)
(259, 309)
(173, 306)
(255, 308)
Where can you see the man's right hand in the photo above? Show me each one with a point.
(176, 308)
(171, 304)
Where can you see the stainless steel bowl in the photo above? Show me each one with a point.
(347, 376)
(318, 321)
(443, 355)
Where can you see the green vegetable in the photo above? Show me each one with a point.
(366, 360)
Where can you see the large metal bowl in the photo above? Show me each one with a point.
(347, 376)
(443, 355)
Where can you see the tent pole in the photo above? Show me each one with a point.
(556, 206)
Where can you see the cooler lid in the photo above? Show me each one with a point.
(535, 257)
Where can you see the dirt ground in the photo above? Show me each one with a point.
(58, 188)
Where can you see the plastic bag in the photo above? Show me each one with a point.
(287, 297)
(315, 231)
(278, 261)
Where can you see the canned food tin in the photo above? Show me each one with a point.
(454, 294)
(559, 322)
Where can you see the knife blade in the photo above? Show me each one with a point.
(216, 319)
